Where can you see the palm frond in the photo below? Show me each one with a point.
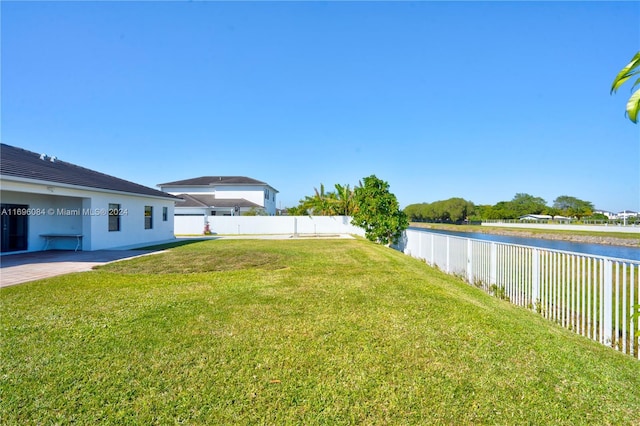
(626, 73)
(633, 105)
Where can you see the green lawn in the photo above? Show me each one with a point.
(294, 332)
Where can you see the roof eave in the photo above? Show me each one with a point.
(82, 187)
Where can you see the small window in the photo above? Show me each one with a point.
(114, 217)
(148, 217)
(165, 214)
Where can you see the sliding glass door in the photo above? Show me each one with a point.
(15, 222)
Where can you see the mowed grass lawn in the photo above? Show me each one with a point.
(294, 332)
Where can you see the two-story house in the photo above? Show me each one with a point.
(221, 196)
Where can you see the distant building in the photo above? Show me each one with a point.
(536, 217)
(626, 214)
(544, 218)
(608, 214)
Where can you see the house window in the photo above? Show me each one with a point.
(114, 217)
(148, 217)
(165, 214)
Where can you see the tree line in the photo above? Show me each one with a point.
(458, 210)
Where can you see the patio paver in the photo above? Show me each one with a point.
(21, 268)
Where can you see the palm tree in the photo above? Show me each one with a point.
(345, 200)
(631, 69)
(322, 203)
(319, 204)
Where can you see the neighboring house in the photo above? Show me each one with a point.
(626, 214)
(51, 204)
(559, 218)
(536, 217)
(544, 217)
(606, 213)
(221, 196)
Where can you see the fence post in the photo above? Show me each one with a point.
(493, 277)
(469, 261)
(535, 278)
(607, 303)
(448, 254)
(433, 258)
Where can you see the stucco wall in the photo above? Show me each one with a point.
(132, 222)
(194, 225)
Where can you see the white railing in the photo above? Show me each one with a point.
(594, 296)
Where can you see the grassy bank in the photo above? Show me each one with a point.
(294, 332)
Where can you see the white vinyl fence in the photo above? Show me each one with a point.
(294, 225)
(594, 296)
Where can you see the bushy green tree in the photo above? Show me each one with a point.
(451, 210)
(378, 212)
(523, 204)
(457, 209)
(572, 206)
(501, 210)
(255, 211)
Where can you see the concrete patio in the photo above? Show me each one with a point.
(21, 268)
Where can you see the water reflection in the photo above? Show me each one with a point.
(620, 252)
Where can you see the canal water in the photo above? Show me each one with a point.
(620, 252)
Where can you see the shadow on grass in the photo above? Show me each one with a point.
(174, 244)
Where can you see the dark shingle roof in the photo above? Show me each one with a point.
(215, 180)
(20, 163)
(206, 200)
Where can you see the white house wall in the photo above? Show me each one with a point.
(192, 211)
(270, 204)
(187, 189)
(132, 220)
(249, 193)
(63, 210)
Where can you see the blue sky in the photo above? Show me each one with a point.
(479, 100)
